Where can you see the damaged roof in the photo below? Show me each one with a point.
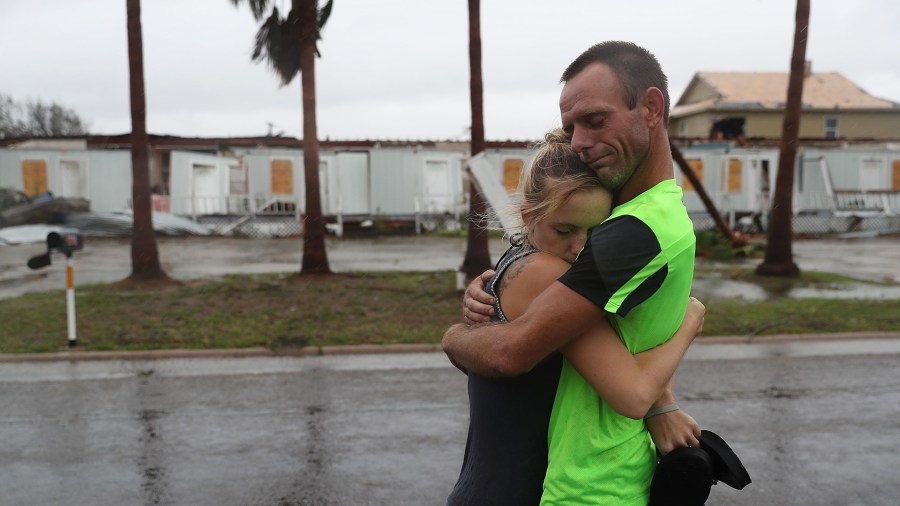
(768, 91)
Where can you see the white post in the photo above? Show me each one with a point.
(416, 211)
(340, 216)
(70, 300)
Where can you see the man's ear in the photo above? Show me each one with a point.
(653, 107)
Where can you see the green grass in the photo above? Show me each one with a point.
(283, 311)
(800, 316)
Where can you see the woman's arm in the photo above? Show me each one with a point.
(630, 384)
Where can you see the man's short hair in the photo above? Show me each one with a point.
(635, 67)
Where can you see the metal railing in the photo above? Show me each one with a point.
(267, 215)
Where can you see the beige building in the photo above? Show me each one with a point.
(750, 105)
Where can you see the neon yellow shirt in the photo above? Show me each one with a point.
(638, 266)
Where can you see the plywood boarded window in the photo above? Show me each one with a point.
(731, 183)
(697, 165)
(895, 168)
(512, 171)
(34, 177)
(282, 177)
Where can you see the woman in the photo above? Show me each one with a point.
(506, 449)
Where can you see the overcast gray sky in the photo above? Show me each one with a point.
(398, 69)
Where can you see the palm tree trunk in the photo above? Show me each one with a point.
(315, 257)
(733, 239)
(144, 253)
(779, 260)
(477, 258)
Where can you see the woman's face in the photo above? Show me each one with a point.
(564, 231)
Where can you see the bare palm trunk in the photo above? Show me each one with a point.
(779, 260)
(315, 257)
(144, 253)
(477, 258)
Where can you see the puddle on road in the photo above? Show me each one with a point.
(710, 287)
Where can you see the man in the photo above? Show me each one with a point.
(636, 269)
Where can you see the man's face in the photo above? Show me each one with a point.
(608, 136)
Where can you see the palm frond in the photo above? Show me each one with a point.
(278, 46)
(325, 13)
(257, 7)
(280, 41)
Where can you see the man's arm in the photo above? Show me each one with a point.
(556, 316)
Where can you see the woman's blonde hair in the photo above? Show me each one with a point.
(555, 173)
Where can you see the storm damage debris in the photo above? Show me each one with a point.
(16, 208)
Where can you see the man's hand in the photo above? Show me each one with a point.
(477, 303)
(672, 430)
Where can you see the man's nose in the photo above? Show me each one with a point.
(580, 142)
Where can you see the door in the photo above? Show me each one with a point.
(437, 196)
(353, 182)
(204, 190)
(759, 183)
(73, 179)
(870, 175)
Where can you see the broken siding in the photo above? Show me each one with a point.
(851, 170)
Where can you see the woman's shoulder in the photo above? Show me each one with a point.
(526, 277)
(539, 263)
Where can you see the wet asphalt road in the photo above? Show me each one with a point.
(814, 422)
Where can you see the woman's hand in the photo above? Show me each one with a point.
(672, 430)
(695, 316)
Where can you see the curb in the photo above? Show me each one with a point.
(783, 338)
(371, 349)
(306, 351)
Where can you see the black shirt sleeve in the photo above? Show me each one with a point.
(618, 250)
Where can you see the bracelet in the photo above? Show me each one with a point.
(668, 408)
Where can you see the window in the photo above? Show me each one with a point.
(731, 180)
(727, 129)
(895, 181)
(697, 165)
(34, 177)
(831, 127)
(512, 170)
(282, 177)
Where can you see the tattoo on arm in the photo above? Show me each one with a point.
(514, 271)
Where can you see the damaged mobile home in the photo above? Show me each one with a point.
(255, 186)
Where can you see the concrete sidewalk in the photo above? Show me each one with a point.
(73, 355)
